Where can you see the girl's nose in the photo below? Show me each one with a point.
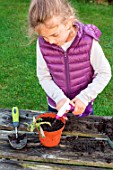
(50, 40)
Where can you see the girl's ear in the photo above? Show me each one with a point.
(69, 22)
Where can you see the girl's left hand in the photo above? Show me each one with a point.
(61, 103)
(79, 106)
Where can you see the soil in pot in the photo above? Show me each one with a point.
(55, 125)
(52, 133)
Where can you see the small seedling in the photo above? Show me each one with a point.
(34, 124)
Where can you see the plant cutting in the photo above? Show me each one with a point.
(34, 124)
(49, 135)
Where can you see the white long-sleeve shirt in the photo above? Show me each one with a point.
(99, 63)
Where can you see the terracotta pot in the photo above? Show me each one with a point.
(51, 139)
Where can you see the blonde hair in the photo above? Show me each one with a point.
(41, 10)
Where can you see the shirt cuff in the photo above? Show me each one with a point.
(57, 99)
(83, 99)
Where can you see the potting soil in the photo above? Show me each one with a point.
(58, 124)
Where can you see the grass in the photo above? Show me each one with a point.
(19, 85)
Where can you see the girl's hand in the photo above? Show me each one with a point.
(61, 103)
(79, 106)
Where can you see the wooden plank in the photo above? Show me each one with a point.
(64, 153)
(74, 124)
(6, 119)
(59, 160)
(19, 165)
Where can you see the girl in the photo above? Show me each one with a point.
(70, 61)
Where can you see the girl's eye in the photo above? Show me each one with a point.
(55, 35)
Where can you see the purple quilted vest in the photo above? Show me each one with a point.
(71, 70)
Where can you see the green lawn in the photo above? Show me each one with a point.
(18, 82)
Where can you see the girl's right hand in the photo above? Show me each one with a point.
(79, 106)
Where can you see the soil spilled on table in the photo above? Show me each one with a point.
(106, 126)
(55, 124)
(89, 146)
(82, 144)
(91, 125)
(86, 148)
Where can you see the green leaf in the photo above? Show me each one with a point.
(31, 127)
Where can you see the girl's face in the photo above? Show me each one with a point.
(54, 31)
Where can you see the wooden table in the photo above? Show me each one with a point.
(64, 156)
